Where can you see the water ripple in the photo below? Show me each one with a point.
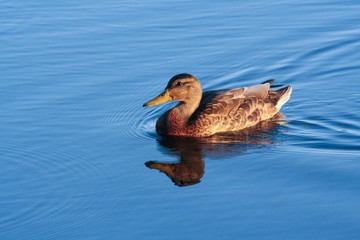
(326, 135)
(48, 181)
(132, 120)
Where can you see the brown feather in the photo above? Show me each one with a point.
(221, 110)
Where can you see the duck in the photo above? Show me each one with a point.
(204, 114)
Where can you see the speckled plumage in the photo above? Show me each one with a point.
(204, 114)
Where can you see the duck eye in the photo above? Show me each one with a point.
(179, 84)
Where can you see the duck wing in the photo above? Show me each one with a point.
(232, 110)
(220, 102)
(223, 102)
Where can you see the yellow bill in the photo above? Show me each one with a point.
(162, 98)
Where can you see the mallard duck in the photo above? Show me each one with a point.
(202, 114)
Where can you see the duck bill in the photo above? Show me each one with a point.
(166, 168)
(162, 98)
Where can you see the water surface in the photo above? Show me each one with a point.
(77, 148)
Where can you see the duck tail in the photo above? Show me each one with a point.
(283, 96)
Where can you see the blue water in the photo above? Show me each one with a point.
(77, 147)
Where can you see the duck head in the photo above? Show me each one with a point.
(184, 88)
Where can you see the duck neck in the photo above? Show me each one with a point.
(186, 109)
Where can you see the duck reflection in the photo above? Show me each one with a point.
(190, 169)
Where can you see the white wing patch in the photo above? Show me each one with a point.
(260, 91)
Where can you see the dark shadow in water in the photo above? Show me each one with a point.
(190, 169)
